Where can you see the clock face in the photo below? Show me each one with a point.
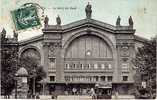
(88, 53)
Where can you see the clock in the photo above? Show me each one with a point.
(88, 53)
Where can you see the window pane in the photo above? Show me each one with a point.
(52, 78)
(52, 63)
(103, 78)
(88, 66)
(125, 78)
(74, 66)
(102, 66)
(95, 66)
(66, 66)
(109, 78)
(109, 66)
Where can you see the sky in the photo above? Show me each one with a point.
(143, 12)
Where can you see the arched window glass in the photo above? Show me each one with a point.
(81, 66)
(95, 66)
(52, 63)
(67, 66)
(109, 66)
(102, 66)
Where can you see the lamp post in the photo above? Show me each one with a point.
(43, 83)
(34, 75)
(16, 85)
(97, 86)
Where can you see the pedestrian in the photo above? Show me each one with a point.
(74, 91)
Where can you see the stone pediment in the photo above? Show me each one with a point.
(88, 23)
(84, 23)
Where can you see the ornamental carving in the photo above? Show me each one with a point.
(52, 48)
(31, 53)
(124, 50)
(52, 51)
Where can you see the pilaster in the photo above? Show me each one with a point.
(45, 49)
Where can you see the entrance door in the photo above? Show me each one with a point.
(104, 93)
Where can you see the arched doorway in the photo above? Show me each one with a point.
(30, 59)
(88, 59)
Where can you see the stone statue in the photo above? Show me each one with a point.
(118, 21)
(3, 33)
(130, 21)
(58, 20)
(15, 35)
(46, 21)
(88, 10)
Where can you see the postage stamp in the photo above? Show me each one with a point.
(25, 17)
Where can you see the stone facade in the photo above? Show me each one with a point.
(85, 52)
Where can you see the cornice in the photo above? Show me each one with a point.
(88, 23)
(30, 40)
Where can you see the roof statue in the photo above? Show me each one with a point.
(15, 35)
(46, 21)
(3, 33)
(131, 23)
(118, 21)
(58, 20)
(88, 10)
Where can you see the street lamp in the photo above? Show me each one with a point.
(34, 75)
(16, 85)
(43, 83)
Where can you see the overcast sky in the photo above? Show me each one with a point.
(143, 12)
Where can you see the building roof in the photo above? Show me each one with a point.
(33, 39)
(141, 39)
(88, 23)
(85, 23)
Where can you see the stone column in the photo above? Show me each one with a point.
(54, 51)
(46, 64)
(59, 64)
(131, 66)
(117, 63)
(45, 49)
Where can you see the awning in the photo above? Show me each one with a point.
(104, 85)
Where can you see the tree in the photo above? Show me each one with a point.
(30, 64)
(145, 63)
(8, 66)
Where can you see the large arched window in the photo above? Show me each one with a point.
(31, 53)
(88, 46)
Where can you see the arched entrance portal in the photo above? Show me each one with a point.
(88, 59)
(30, 59)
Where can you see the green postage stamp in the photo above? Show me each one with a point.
(25, 17)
